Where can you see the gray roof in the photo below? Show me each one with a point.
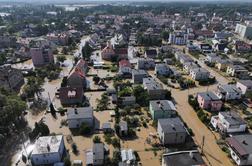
(123, 125)
(139, 72)
(183, 158)
(208, 96)
(241, 143)
(237, 67)
(232, 118)
(98, 151)
(159, 105)
(247, 83)
(150, 84)
(79, 113)
(202, 70)
(229, 88)
(172, 125)
(106, 125)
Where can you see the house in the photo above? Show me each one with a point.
(228, 122)
(118, 40)
(48, 150)
(127, 100)
(161, 109)
(121, 53)
(138, 75)
(183, 158)
(199, 74)
(242, 47)
(108, 52)
(123, 128)
(152, 53)
(154, 89)
(96, 155)
(81, 66)
(145, 63)
(245, 86)
(169, 61)
(209, 101)
(162, 69)
(205, 48)
(59, 39)
(240, 147)
(171, 131)
(188, 66)
(77, 78)
(244, 31)
(10, 78)
(204, 33)
(222, 64)
(71, 96)
(77, 116)
(212, 58)
(128, 157)
(124, 67)
(183, 58)
(41, 56)
(237, 71)
(228, 92)
(179, 38)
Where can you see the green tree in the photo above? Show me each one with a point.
(86, 51)
(97, 139)
(61, 58)
(84, 129)
(142, 97)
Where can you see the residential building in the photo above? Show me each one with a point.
(108, 52)
(154, 89)
(244, 31)
(228, 122)
(96, 155)
(77, 78)
(162, 69)
(107, 127)
(41, 56)
(222, 64)
(245, 86)
(228, 92)
(127, 100)
(188, 66)
(179, 38)
(10, 78)
(183, 58)
(183, 158)
(242, 47)
(213, 58)
(138, 75)
(205, 48)
(209, 101)
(59, 39)
(124, 67)
(8, 41)
(240, 147)
(152, 53)
(237, 71)
(199, 74)
(77, 116)
(123, 128)
(161, 109)
(128, 157)
(48, 150)
(171, 131)
(71, 96)
(145, 63)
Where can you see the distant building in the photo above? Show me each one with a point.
(10, 78)
(145, 63)
(222, 64)
(48, 150)
(228, 122)
(162, 69)
(77, 77)
(59, 39)
(124, 67)
(41, 56)
(244, 31)
(183, 158)
(161, 109)
(245, 86)
(199, 74)
(171, 131)
(154, 89)
(179, 38)
(228, 92)
(71, 96)
(209, 101)
(237, 71)
(240, 147)
(138, 75)
(188, 66)
(77, 116)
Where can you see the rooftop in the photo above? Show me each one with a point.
(79, 113)
(161, 105)
(47, 144)
(241, 143)
(232, 118)
(172, 125)
(208, 96)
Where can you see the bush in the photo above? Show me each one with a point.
(116, 143)
(84, 129)
(74, 148)
(96, 139)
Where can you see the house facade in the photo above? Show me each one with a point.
(70, 96)
(209, 101)
(154, 89)
(161, 109)
(138, 75)
(145, 63)
(228, 92)
(199, 74)
(245, 86)
(41, 56)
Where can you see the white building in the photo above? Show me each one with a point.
(245, 86)
(228, 122)
(178, 38)
(77, 116)
(244, 31)
(199, 74)
(48, 150)
(228, 92)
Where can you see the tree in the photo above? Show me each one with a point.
(96, 79)
(74, 148)
(97, 139)
(84, 129)
(86, 51)
(142, 97)
(61, 58)
(115, 142)
(41, 129)
(165, 35)
(67, 161)
(65, 50)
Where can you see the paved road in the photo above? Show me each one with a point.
(214, 155)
